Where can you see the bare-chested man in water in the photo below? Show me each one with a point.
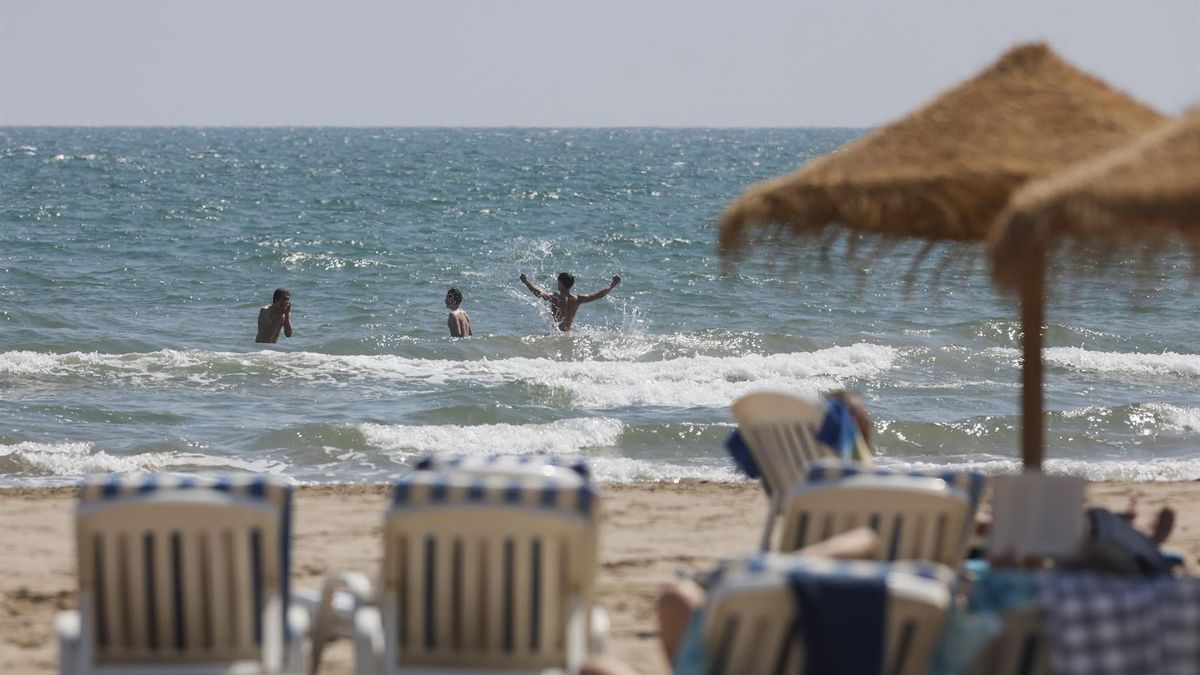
(458, 321)
(275, 316)
(564, 303)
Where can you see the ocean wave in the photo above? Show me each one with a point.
(1141, 470)
(1077, 359)
(697, 381)
(571, 436)
(62, 460)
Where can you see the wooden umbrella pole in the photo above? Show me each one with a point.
(1032, 310)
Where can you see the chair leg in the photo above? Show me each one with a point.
(68, 627)
(368, 641)
(772, 514)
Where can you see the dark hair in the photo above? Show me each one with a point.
(455, 295)
(280, 293)
(567, 280)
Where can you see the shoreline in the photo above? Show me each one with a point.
(649, 531)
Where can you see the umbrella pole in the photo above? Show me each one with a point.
(1032, 311)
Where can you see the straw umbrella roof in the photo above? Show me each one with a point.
(1142, 194)
(945, 171)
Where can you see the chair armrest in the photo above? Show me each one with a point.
(298, 623)
(368, 641)
(600, 626)
(341, 596)
(68, 626)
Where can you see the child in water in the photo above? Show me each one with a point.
(458, 321)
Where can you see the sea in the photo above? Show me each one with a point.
(133, 263)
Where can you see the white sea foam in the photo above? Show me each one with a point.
(562, 437)
(1172, 417)
(1159, 469)
(575, 438)
(699, 381)
(79, 459)
(1115, 363)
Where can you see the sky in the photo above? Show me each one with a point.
(776, 63)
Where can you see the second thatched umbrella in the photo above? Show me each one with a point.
(946, 170)
(1139, 196)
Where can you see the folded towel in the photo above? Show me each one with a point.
(740, 452)
(839, 430)
(841, 621)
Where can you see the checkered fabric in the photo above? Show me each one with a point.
(784, 563)
(553, 488)
(1099, 624)
(501, 462)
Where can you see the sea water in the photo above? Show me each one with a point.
(133, 263)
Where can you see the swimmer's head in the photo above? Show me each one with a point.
(281, 296)
(453, 298)
(565, 281)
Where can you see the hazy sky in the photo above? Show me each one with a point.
(555, 62)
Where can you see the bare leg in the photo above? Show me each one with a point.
(679, 600)
(861, 543)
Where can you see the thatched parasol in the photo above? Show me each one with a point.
(945, 171)
(1142, 194)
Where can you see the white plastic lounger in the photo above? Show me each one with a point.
(781, 432)
(916, 518)
(971, 483)
(751, 617)
(183, 575)
(485, 572)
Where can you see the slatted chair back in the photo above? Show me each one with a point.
(750, 622)
(183, 570)
(917, 518)
(489, 571)
(971, 483)
(780, 431)
(492, 464)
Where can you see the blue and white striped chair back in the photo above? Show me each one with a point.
(183, 569)
(917, 518)
(489, 570)
(781, 432)
(494, 464)
(751, 617)
(970, 483)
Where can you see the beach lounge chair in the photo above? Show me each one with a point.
(751, 620)
(183, 575)
(485, 571)
(971, 483)
(917, 518)
(780, 432)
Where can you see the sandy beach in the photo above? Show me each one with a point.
(650, 530)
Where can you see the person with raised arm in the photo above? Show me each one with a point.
(563, 303)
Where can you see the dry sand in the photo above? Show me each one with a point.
(649, 532)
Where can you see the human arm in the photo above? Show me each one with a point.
(287, 322)
(602, 292)
(534, 289)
